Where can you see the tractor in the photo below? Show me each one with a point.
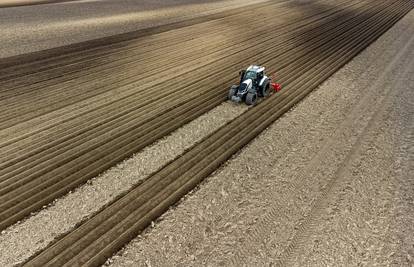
(253, 84)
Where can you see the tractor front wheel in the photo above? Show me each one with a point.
(251, 98)
(232, 91)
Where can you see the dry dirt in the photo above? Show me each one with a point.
(272, 201)
(66, 216)
(53, 125)
(33, 28)
(22, 240)
(330, 183)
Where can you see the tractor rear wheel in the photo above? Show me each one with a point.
(251, 98)
(265, 90)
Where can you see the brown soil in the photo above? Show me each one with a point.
(97, 238)
(65, 137)
(58, 131)
(36, 25)
(24, 239)
(330, 183)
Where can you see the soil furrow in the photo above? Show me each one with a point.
(72, 182)
(99, 237)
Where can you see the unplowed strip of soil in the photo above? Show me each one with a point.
(98, 238)
(72, 117)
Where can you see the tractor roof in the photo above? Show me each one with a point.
(255, 68)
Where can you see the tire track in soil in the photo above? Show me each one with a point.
(258, 233)
(368, 221)
(405, 171)
(311, 219)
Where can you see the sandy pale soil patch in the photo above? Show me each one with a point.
(22, 240)
(344, 147)
(368, 215)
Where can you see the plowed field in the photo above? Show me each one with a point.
(71, 113)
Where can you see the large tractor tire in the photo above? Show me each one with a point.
(232, 92)
(265, 89)
(251, 98)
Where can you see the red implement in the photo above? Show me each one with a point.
(277, 87)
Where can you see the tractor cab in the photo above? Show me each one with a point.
(254, 73)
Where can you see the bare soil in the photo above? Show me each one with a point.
(288, 167)
(24, 239)
(69, 117)
(37, 27)
(329, 183)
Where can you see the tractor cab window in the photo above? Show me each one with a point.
(260, 75)
(250, 75)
